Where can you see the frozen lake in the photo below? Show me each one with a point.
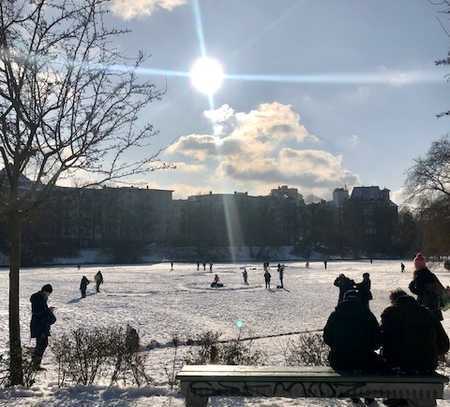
(159, 302)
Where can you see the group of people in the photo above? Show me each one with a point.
(98, 278)
(410, 338)
(268, 276)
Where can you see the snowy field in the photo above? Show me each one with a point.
(159, 303)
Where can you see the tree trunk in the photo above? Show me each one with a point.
(15, 346)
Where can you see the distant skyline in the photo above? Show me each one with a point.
(316, 95)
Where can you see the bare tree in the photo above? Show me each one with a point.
(431, 174)
(70, 103)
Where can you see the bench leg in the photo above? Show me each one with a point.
(421, 403)
(193, 400)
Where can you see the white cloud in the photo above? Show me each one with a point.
(128, 9)
(259, 149)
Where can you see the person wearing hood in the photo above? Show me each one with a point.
(412, 339)
(427, 287)
(353, 335)
(83, 286)
(42, 318)
(344, 284)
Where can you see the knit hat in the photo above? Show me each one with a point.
(419, 262)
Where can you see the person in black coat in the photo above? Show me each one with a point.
(98, 281)
(42, 318)
(267, 278)
(412, 339)
(364, 290)
(427, 287)
(344, 284)
(353, 335)
(83, 286)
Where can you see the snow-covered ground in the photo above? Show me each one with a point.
(159, 303)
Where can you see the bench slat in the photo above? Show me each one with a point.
(267, 373)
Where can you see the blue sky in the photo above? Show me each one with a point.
(314, 136)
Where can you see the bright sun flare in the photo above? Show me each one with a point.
(207, 75)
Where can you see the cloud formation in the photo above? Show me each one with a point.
(260, 149)
(128, 9)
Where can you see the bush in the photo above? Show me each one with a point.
(306, 350)
(211, 350)
(85, 355)
(29, 374)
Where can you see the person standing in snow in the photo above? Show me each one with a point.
(427, 287)
(204, 266)
(281, 274)
(245, 276)
(210, 267)
(267, 278)
(364, 290)
(325, 264)
(402, 267)
(83, 286)
(198, 266)
(42, 318)
(171, 266)
(98, 281)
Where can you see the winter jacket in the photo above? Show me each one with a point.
(345, 284)
(352, 332)
(99, 278)
(412, 338)
(267, 276)
(84, 283)
(428, 289)
(364, 291)
(41, 316)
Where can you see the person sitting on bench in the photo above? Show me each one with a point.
(413, 339)
(353, 335)
(216, 282)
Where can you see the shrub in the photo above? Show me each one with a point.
(211, 350)
(306, 350)
(29, 374)
(86, 354)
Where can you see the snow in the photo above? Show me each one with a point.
(160, 303)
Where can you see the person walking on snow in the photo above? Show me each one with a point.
(427, 287)
(267, 278)
(402, 267)
(98, 281)
(245, 276)
(210, 267)
(42, 318)
(325, 264)
(83, 286)
(198, 266)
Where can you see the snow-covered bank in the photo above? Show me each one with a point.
(160, 302)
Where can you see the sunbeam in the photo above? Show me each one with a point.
(371, 78)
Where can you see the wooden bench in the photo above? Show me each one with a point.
(198, 383)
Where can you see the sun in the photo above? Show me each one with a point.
(207, 75)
